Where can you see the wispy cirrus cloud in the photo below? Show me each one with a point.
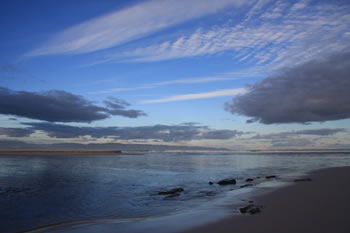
(128, 24)
(165, 83)
(235, 75)
(203, 95)
(280, 33)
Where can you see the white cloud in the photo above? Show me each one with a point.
(256, 8)
(301, 32)
(131, 23)
(204, 95)
(166, 83)
(235, 75)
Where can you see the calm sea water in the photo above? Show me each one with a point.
(37, 191)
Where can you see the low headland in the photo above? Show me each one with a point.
(61, 152)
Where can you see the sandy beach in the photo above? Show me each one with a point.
(318, 206)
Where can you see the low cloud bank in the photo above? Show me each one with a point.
(16, 132)
(166, 133)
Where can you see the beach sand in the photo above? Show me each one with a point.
(318, 206)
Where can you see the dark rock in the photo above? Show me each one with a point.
(255, 210)
(250, 209)
(270, 177)
(227, 181)
(246, 185)
(249, 180)
(211, 183)
(258, 177)
(172, 191)
(171, 196)
(302, 180)
(244, 210)
(251, 201)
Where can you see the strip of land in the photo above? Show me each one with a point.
(321, 205)
(59, 152)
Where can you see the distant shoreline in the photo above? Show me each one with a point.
(61, 152)
(48, 152)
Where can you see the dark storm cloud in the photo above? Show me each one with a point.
(60, 106)
(16, 132)
(167, 133)
(313, 132)
(315, 91)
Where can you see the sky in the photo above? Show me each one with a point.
(236, 74)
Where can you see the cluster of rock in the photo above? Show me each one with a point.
(251, 209)
(227, 181)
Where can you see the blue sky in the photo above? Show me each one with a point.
(256, 74)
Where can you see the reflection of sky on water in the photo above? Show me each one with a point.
(52, 189)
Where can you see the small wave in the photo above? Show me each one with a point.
(60, 225)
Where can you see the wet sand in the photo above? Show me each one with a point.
(321, 205)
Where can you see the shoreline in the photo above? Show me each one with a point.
(317, 206)
(49, 152)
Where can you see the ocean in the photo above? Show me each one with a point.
(49, 193)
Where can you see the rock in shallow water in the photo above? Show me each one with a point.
(270, 177)
(244, 210)
(172, 191)
(246, 185)
(227, 181)
(250, 209)
(302, 180)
